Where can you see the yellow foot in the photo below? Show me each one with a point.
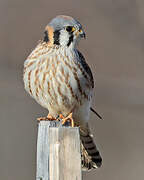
(68, 118)
(48, 118)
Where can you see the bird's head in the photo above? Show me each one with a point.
(63, 31)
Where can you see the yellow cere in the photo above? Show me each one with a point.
(73, 29)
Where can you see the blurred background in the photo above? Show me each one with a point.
(114, 49)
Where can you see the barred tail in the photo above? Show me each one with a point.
(91, 157)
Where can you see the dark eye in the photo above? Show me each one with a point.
(69, 28)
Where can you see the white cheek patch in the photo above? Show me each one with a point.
(64, 38)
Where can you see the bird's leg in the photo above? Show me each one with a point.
(48, 118)
(68, 118)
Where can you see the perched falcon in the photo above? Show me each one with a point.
(57, 76)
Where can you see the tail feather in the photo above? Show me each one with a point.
(91, 157)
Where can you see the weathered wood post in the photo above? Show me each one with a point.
(58, 152)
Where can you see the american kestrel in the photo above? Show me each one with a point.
(57, 76)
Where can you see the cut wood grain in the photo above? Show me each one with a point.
(58, 152)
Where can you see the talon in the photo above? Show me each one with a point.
(48, 118)
(68, 118)
(42, 119)
(51, 118)
(61, 116)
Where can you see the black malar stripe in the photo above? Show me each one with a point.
(70, 40)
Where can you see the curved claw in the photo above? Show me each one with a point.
(48, 118)
(68, 118)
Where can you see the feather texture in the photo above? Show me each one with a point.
(57, 76)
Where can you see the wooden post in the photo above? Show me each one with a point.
(58, 152)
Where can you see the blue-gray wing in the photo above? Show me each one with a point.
(86, 67)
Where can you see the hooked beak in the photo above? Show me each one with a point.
(82, 34)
